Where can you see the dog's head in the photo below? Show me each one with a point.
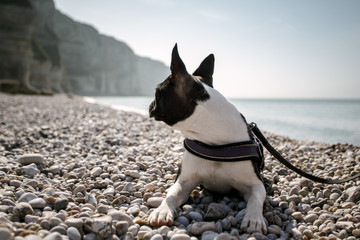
(177, 96)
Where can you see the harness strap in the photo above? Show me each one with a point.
(223, 153)
(287, 163)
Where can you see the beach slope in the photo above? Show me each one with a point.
(71, 169)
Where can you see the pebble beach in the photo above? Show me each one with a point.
(70, 169)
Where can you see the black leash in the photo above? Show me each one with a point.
(287, 163)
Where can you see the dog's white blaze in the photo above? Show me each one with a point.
(215, 121)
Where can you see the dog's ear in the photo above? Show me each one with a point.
(177, 65)
(206, 70)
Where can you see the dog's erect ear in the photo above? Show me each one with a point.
(206, 70)
(177, 66)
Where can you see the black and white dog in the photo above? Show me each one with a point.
(189, 103)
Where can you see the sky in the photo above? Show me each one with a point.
(263, 49)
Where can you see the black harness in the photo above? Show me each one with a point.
(234, 152)
(250, 150)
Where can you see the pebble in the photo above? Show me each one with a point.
(31, 158)
(180, 236)
(37, 203)
(199, 228)
(216, 211)
(22, 209)
(30, 170)
(5, 233)
(73, 233)
(101, 226)
(155, 201)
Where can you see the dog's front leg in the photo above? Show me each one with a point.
(177, 195)
(253, 220)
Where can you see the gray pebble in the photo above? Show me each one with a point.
(5, 233)
(37, 203)
(199, 228)
(74, 222)
(27, 197)
(180, 236)
(102, 226)
(30, 170)
(73, 233)
(22, 209)
(31, 158)
(155, 201)
(216, 211)
(121, 227)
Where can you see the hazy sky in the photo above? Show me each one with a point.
(280, 48)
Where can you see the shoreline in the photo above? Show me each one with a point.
(96, 166)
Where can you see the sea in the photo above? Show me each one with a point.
(320, 120)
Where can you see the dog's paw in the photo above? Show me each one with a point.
(163, 215)
(253, 223)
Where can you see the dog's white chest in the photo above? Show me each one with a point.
(219, 177)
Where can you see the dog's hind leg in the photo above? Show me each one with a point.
(177, 195)
(253, 220)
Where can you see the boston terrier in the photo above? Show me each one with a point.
(190, 104)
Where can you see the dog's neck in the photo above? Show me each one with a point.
(214, 121)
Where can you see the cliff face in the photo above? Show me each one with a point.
(53, 53)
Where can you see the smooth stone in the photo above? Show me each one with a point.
(74, 222)
(334, 196)
(356, 233)
(297, 215)
(274, 229)
(96, 171)
(354, 194)
(15, 183)
(121, 227)
(55, 221)
(156, 237)
(132, 173)
(155, 202)
(37, 203)
(31, 218)
(5, 233)
(209, 235)
(60, 203)
(102, 209)
(31, 237)
(73, 233)
(109, 191)
(297, 235)
(90, 198)
(31, 158)
(27, 197)
(60, 229)
(223, 236)
(30, 170)
(102, 226)
(22, 209)
(195, 216)
(182, 220)
(180, 236)
(79, 188)
(128, 187)
(348, 226)
(53, 236)
(310, 218)
(216, 211)
(199, 228)
(120, 216)
(259, 236)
